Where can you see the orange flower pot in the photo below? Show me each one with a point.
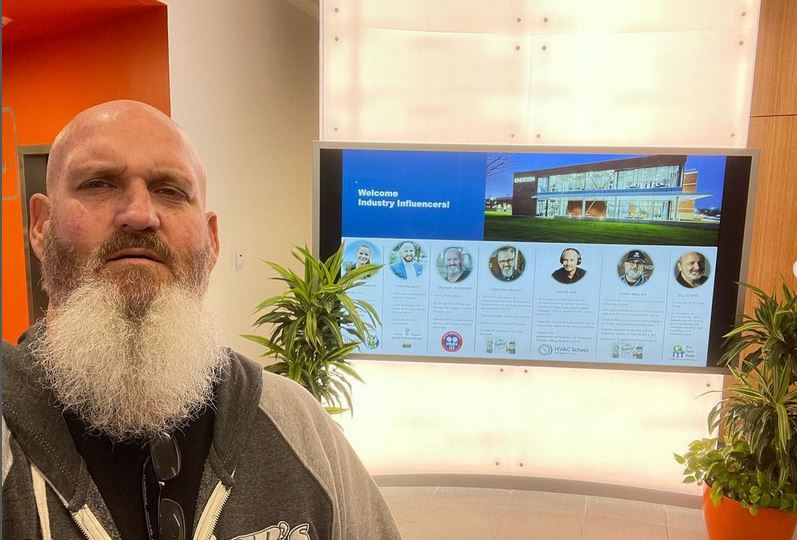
(730, 521)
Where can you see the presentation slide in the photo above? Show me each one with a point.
(601, 258)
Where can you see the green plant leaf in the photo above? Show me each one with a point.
(757, 415)
(314, 325)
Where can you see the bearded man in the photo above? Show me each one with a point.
(506, 268)
(691, 270)
(634, 269)
(123, 416)
(454, 265)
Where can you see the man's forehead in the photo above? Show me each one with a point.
(111, 135)
(105, 150)
(106, 131)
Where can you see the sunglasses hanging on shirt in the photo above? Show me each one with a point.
(164, 454)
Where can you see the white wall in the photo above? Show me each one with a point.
(244, 85)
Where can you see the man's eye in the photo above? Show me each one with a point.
(95, 183)
(171, 192)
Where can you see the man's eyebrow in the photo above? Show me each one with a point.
(172, 174)
(98, 168)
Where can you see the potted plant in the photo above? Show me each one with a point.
(316, 325)
(750, 471)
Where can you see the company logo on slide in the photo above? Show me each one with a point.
(451, 341)
(545, 349)
(683, 352)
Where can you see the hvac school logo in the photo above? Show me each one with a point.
(280, 531)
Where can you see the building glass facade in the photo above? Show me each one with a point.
(646, 188)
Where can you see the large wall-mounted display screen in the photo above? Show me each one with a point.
(559, 255)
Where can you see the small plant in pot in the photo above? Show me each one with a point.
(750, 472)
(316, 325)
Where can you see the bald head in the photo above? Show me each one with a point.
(100, 121)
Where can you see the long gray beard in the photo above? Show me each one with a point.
(131, 376)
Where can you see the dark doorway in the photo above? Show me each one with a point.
(32, 173)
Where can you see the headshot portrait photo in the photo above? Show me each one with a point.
(454, 264)
(570, 270)
(507, 263)
(406, 260)
(359, 253)
(691, 269)
(635, 268)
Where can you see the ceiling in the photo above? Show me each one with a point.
(37, 18)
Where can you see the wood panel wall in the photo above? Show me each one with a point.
(773, 129)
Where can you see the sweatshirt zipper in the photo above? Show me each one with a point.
(210, 515)
(84, 517)
(82, 528)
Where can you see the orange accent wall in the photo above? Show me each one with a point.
(49, 79)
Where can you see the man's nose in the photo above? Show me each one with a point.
(137, 210)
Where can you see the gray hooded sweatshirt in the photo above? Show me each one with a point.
(278, 467)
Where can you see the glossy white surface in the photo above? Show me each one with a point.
(617, 72)
(590, 425)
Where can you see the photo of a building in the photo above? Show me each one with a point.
(649, 188)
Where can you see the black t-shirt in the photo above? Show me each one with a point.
(118, 469)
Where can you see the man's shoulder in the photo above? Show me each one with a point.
(273, 385)
(285, 400)
(18, 367)
(278, 385)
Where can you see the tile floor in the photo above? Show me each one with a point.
(431, 513)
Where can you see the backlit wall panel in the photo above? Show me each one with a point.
(391, 85)
(674, 73)
(587, 425)
(538, 72)
(638, 88)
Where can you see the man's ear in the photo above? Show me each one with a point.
(40, 207)
(213, 233)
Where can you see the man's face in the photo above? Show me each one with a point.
(408, 252)
(570, 261)
(453, 262)
(506, 260)
(634, 269)
(126, 204)
(363, 255)
(692, 265)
